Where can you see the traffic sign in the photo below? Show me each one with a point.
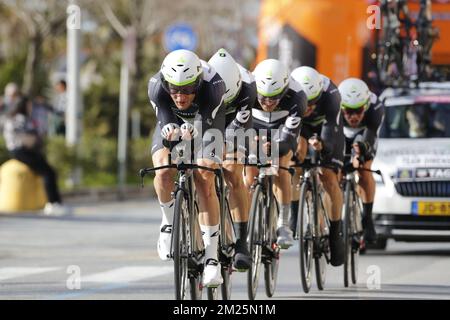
(180, 36)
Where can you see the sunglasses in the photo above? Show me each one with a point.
(273, 98)
(357, 111)
(187, 89)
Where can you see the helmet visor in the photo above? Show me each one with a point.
(272, 98)
(314, 100)
(351, 111)
(190, 88)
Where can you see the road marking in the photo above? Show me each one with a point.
(17, 272)
(127, 274)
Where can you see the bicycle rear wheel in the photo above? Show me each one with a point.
(227, 244)
(356, 239)
(272, 260)
(180, 245)
(305, 227)
(255, 241)
(195, 265)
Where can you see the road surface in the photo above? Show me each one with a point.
(112, 248)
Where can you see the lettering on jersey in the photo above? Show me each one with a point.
(217, 82)
(243, 100)
(293, 122)
(334, 91)
(243, 116)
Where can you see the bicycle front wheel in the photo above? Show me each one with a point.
(180, 245)
(305, 227)
(347, 234)
(272, 260)
(255, 241)
(321, 241)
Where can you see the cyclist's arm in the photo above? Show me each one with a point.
(212, 111)
(244, 105)
(160, 101)
(291, 129)
(375, 117)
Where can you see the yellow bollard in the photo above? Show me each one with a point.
(20, 188)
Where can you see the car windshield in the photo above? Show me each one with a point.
(429, 120)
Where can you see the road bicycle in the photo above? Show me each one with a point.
(187, 249)
(353, 229)
(313, 224)
(262, 235)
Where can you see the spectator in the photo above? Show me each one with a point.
(25, 145)
(11, 98)
(60, 105)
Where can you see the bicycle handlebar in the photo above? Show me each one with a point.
(179, 167)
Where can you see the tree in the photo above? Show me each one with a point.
(42, 19)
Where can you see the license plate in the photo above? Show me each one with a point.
(425, 208)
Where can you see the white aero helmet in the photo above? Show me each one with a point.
(228, 70)
(354, 94)
(311, 82)
(181, 68)
(271, 78)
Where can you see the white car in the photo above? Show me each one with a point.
(412, 201)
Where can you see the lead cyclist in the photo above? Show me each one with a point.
(188, 99)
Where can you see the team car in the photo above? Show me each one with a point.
(412, 201)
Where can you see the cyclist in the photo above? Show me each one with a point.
(363, 115)
(183, 92)
(240, 97)
(281, 103)
(323, 117)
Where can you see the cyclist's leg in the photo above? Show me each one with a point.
(164, 185)
(209, 220)
(302, 149)
(330, 179)
(282, 189)
(239, 207)
(367, 192)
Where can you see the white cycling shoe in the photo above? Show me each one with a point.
(285, 238)
(164, 240)
(56, 210)
(211, 274)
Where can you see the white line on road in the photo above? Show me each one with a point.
(16, 272)
(127, 274)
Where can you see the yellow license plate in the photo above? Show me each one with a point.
(424, 208)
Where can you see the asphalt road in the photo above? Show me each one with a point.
(113, 249)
